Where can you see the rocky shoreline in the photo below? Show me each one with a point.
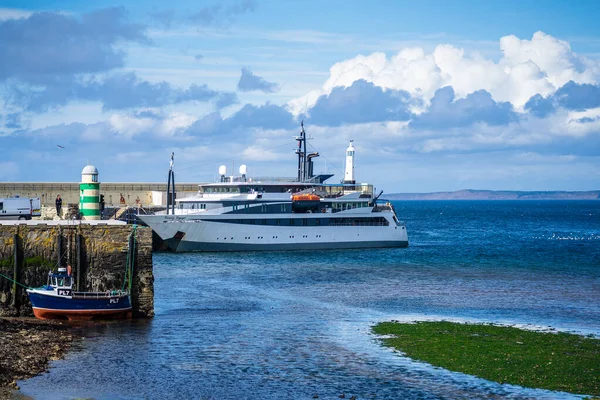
(27, 345)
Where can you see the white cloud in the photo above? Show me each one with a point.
(528, 67)
(129, 126)
(13, 13)
(175, 122)
(581, 123)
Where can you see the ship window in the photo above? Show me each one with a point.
(1, 206)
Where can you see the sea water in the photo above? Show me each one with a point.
(297, 325)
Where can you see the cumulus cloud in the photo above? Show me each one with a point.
(527, 68)
(115, 91)
(445, 112)
(50, 59)
(267, 117)
(540, 106)
(571, 96)
(45, 44)
(578, 97)
(361, 102)
(249, 82)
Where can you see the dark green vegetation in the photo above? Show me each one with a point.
(28, 262)
(554, 361)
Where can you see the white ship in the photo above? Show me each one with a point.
(239, 214)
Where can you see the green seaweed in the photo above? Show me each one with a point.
(555, 361)
(37, 261)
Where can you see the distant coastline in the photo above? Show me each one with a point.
(469, 194)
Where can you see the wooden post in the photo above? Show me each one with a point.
(69, 247)
(59, 246)
(16, 262)
(78, 255)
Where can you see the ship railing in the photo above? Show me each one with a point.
(99, 295)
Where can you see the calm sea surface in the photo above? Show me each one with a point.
(294, 325)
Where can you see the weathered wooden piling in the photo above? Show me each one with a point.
(98, 254)
(16, 262)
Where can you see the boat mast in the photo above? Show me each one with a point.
(171, 187)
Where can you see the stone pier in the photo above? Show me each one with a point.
(96, 251)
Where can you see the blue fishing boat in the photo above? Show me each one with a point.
(58, 300)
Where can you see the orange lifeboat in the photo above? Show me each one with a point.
(305, 197)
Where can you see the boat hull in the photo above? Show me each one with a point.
(50, 306)
(186, 235)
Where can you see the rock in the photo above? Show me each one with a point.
(27, 345)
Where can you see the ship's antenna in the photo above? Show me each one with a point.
(171, 186)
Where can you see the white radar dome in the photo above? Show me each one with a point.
(243, 169)
(222, 170)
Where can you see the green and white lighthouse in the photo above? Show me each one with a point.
(89, 196)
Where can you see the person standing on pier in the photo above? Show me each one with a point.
(58, 205)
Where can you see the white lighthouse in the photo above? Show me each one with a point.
(349, 174)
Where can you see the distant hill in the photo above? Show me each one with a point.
(468, 194)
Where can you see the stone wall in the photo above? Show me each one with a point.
(98, 265)
(69, 192)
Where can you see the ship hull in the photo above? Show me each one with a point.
(196, 234)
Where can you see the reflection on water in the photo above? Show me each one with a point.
(297, 324)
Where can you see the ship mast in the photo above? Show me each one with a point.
(301, 152)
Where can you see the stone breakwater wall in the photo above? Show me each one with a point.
(97, 255)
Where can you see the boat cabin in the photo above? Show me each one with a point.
(60, 279)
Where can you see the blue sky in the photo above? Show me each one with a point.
(437, 95)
